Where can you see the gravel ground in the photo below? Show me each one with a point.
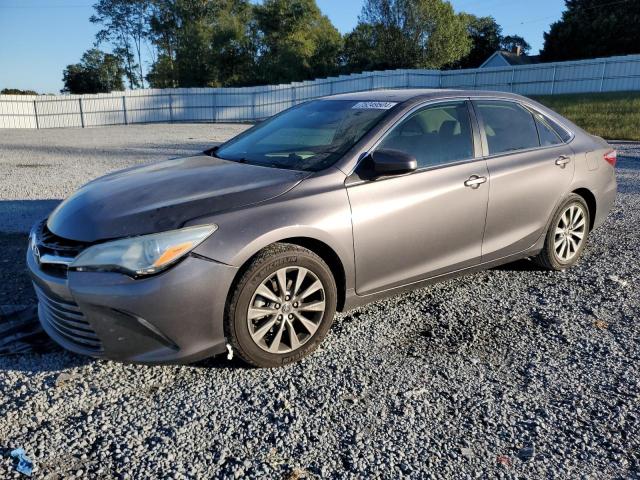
(512, 372)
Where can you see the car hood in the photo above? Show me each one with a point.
(164, 195)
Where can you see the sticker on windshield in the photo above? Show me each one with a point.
(374, 105)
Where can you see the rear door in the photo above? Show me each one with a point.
(530, 170)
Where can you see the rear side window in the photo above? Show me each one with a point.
(560, 131)
(508, 126)
(435, 135)
(547, 135)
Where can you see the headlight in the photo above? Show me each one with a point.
(143, 255)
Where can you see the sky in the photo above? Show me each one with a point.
(39, 38)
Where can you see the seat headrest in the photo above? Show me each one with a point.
(411, 127)
(448, 128)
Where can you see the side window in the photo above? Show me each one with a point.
(547, 135)
(434, 135)
(508, 126)
(561, 131)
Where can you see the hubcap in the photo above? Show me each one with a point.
(570, 232)
(286, 310)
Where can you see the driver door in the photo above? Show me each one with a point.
(411, 227)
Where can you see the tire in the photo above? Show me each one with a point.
(554, 256)
(285, 325)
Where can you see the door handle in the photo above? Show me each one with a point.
(475, 181)
(562, 160)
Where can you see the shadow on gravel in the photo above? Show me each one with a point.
(519, 266)
(221, 362)
(25, 347)
(18, 216)
(20, 332)
(15, 287)
(56, 360)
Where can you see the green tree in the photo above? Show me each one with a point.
(360, 51)
(593, 28)
(408, 34)
(124, 24)
(163, 33)
(17, 91)
(511, 42)
(201, 43)
(97, 72)
(295, 41)
(486, 38)
(233, 45)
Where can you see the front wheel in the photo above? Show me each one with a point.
(567, 235)
(282, 306)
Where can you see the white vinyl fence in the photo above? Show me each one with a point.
(249, 104)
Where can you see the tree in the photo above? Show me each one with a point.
(201, 43)
(17, 91)
(233, 45)
(486, 38)
(97, 72)
(125, 25)
(510, 43)
(295, 41)
(593, 28)
(408, 34)
(361, 50)
(163, 27)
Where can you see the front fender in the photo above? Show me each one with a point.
(318, 208)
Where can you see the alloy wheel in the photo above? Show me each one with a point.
(286, 309)
(570, 232)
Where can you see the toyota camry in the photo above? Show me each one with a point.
(252, 246)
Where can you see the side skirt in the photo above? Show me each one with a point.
(354, 300)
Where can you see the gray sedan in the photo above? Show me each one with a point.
(252, 246)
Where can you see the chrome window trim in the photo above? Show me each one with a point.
(526, 150)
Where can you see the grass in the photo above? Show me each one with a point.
(613, 116)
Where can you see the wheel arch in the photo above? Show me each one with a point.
(590, 200)
(320, 248)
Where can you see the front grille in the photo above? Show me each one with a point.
(66, 319)
(49, 243)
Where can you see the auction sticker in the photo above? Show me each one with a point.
(374, 105)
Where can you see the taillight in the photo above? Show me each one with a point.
(611, 157)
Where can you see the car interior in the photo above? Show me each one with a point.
(435, 135)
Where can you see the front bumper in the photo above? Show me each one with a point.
(173, 317)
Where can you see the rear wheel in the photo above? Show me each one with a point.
(282, 306)
(567, 235)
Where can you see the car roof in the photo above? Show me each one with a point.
(404, 95)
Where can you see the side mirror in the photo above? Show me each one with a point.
(392, 162)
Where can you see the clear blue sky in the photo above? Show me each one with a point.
(39, 38)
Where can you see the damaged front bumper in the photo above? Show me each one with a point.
(173, 317)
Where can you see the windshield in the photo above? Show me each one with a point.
(311, 136)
